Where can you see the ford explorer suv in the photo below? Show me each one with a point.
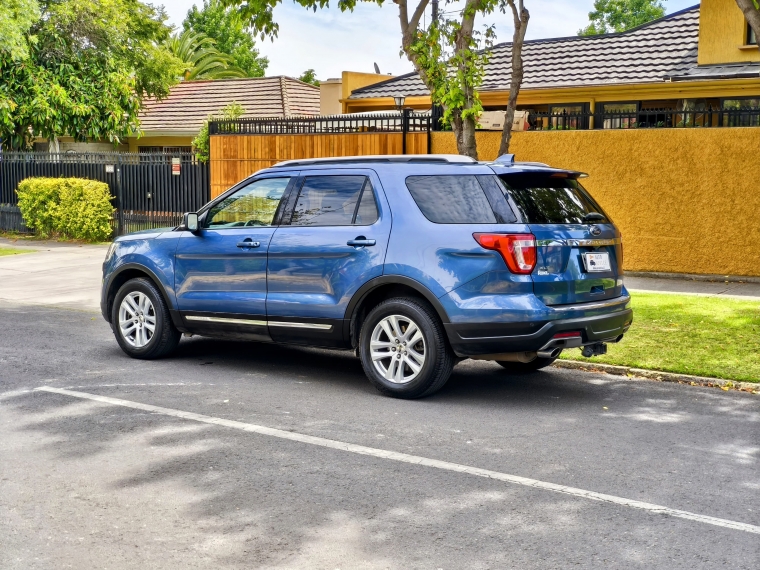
(415, 262)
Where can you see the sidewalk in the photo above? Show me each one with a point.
(746, 291)
(53, 273)
(69, 275)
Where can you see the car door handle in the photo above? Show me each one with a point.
(360, 241)
(248, 243)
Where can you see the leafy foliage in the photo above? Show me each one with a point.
(446, 54)
(621, 15)
(309, 76)
(16, 18)
(454, 73)
(87, 98)
(201, 142)
(201, 59)
(90, 63)
(73, 208)
(226, 28)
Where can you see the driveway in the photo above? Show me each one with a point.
(57, 274)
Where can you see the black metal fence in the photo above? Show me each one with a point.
(645, 118)
(382, 123)
(149, 190)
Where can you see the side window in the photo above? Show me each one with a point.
(451, 199)
(335, 201)
(252, 205)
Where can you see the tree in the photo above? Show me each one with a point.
(751, 11)
(520, 16)
(16, 18)
(201, 141)
(621, 15)
(449, 55)
(201, 59)
(309, 76)
(90, 64)
(226, 28)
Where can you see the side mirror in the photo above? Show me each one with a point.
(191, 222)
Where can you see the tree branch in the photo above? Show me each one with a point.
(752, 15)
(521, 16)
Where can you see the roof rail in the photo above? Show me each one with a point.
(392, 158)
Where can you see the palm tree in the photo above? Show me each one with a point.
(202, 59)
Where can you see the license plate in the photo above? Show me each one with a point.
(596, 261)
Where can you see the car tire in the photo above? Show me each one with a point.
(419, 360)
(137, 307)
(526, 367)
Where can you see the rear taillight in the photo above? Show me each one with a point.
(518, 250)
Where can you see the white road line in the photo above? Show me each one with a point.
(414, 459)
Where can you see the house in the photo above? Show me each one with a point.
(699, 61)
(171, 124)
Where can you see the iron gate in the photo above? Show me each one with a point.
(149, 190)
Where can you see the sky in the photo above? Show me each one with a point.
(329, 41)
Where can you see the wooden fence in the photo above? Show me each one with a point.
(235, 157)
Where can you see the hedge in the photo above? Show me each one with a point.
(73, 208)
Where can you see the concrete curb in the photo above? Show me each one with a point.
(695, 277)
(659, 376)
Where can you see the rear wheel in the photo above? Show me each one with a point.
(526, 367)
(141, 321)
(403, 349)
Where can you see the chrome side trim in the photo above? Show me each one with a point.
(250, 322)
(317, 326)
(578, 242)
(622, 300)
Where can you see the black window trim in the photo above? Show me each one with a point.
(599, 112)
(295, 192)
(750, 32)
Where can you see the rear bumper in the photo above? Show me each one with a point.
(604, 322)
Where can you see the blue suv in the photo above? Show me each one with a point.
(414, 262)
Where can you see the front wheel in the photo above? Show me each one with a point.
(403, 349)
(526, 367)
(141, 321)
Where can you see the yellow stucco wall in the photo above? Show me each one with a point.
(722, 32)
(686, 200)
(135, 143)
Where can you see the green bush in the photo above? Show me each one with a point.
(73, 208)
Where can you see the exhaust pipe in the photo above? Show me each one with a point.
(549, 353)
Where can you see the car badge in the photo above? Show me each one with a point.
(596, 231)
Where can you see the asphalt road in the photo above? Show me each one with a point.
(92, 484)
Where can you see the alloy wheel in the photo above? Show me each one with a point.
(397, 349)
(137, 319)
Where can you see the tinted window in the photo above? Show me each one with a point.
(366, 213)
(451, 199)
(333, 201)
(542, 199)
(252, 205)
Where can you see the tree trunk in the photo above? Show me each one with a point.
(464, 128)
(467, 145)
(521, 17)
(53, 146)
(752, 14)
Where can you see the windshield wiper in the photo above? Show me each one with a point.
(593, 217)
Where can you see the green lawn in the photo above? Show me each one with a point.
(12, 251)
(703, 336)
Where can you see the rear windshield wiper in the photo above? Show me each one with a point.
(593, 217)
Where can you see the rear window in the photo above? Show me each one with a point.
(542, 199)
(451, 199)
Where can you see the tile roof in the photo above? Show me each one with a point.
(662, 49)
(190, 102)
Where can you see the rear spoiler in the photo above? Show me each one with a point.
(508, 160)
